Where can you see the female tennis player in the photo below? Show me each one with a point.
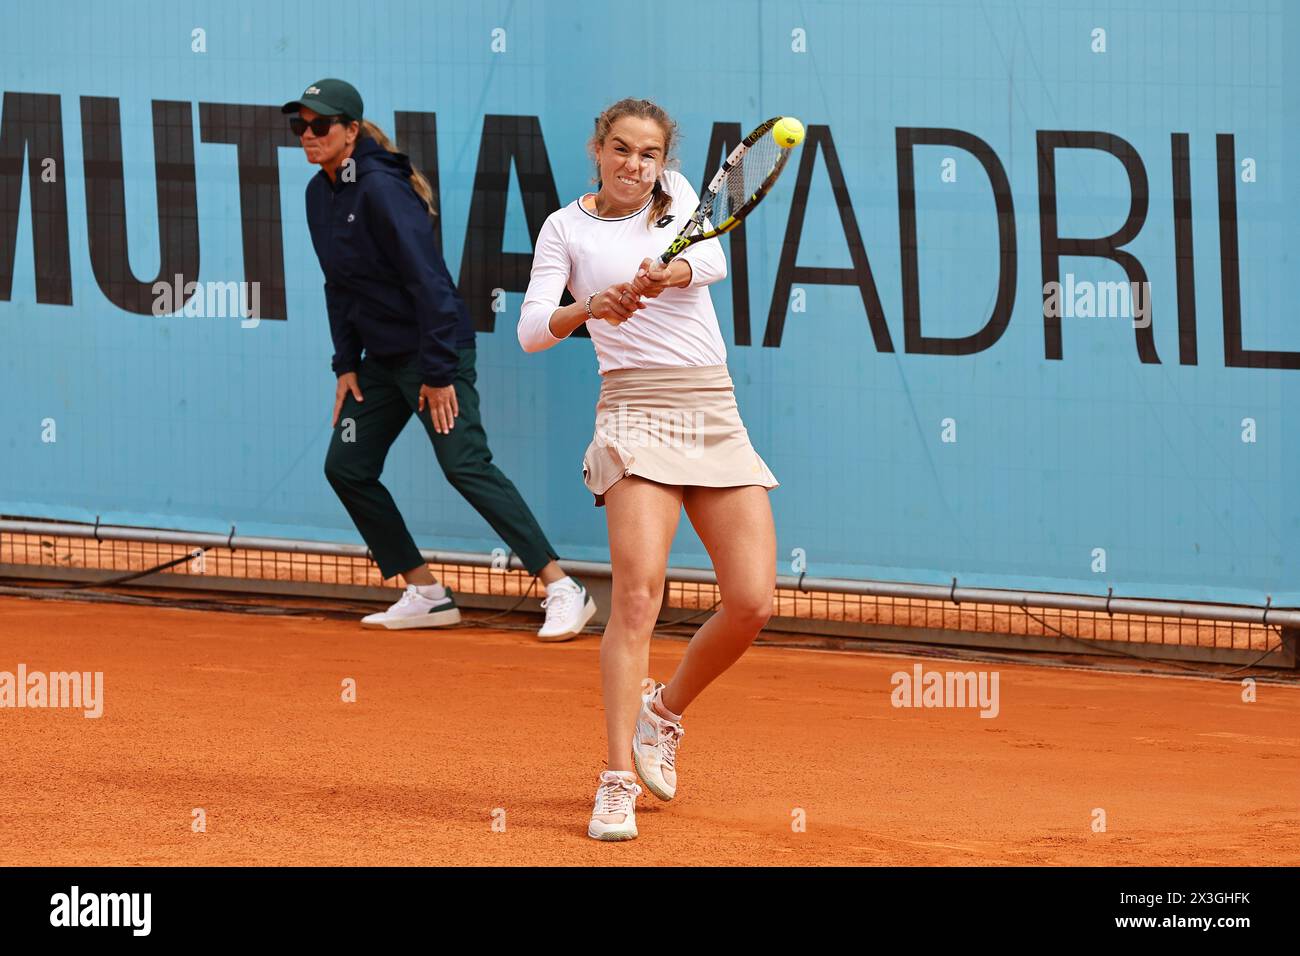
(389, 295)
(668, 435)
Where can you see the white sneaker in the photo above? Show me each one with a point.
(614, 816)
(654, 748)
(416, 610)
(568, 609)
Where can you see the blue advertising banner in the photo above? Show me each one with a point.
(1016, 312)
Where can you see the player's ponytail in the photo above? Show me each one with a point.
(660, 204)
(641, 109)
(418, 180)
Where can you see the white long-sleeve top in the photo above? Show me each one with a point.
(579, 249)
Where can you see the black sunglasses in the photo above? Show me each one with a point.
(320, 126)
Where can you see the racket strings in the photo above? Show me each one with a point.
(744, 179)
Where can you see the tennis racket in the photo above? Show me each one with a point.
(745, 178)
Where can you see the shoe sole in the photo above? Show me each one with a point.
(588, 611)
(612, 836)
(440, 619)
(649, 784)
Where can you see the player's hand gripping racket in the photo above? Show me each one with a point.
(745, 178)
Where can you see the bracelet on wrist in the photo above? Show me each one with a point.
(587, 306)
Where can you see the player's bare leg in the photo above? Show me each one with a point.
(736, 527)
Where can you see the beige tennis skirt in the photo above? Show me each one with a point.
(676, 426)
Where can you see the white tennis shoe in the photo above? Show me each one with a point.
(568, 609)
(654, 747)
(614, 815)
(416, 609)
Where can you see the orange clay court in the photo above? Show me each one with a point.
(242, 716)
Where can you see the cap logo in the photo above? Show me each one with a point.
(311, 91)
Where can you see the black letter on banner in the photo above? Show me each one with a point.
(484, 266)
(417, 136)
(1234, 356)
(788, 273)
(1184, 261)
(257, 132)
(914, 340)
(178, 209)
(1107, 247)
(725, 138)
(33, 123)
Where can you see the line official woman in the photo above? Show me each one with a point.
(404, 344)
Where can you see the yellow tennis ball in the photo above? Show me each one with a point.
(788, 131)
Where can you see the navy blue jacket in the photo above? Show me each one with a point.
(387, 289)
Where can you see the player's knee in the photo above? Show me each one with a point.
(749, 611)
(636, 607)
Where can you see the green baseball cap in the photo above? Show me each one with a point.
(329, 98)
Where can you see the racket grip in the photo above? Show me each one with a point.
(674, 248)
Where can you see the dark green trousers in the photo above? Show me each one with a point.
(391, 389)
